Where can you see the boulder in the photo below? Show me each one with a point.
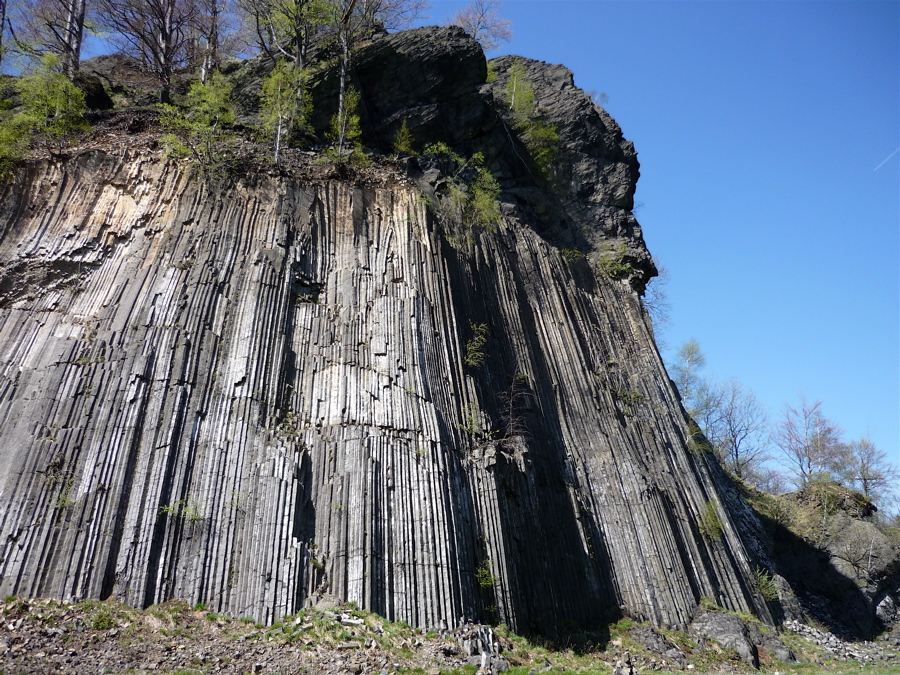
(729, 631)
(95, 95)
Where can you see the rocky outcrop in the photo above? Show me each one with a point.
(744, 637)
(254, 396)
(595, 170)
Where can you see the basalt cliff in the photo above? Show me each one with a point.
(304, 382)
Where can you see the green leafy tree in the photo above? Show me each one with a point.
(345, 133)
(403, 141)
(52, 106)
(520, 94)
(686, 376)
(344, 24)
(471, 193)
(51, 109)
(483, 207)
(200, 128)
(348, 21)
(283, 29)
(539, 136)
(286, 104)
(13, 145)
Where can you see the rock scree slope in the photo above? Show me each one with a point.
(261, 394)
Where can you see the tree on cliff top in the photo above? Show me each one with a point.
(867, 468)
(810, 443)
(392, 14)
(481, 20)
(200, 129)
(540, 137)
(51, 108)
(155, 31)
(45, 28)
(285, 103)
(283, 29)
(214, 32)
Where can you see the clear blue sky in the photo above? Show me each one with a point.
(762, 128)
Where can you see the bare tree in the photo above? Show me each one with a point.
(809, 442)
(741, 432)
(481, 20)
(283, 29)
(213, 35)
(656, 302)
(767, 479)
(867, 468)
(392, 14)
(156, 32)
(863, 547)
(50, 27)
(514, 403)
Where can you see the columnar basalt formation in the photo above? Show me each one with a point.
(253, 396)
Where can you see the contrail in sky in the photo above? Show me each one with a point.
(886, 159)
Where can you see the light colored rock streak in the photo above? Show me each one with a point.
(251, 398)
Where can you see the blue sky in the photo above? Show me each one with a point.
(762, 128)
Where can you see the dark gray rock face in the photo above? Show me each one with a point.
(427, 76)
(596, 168)
(264, 396)
(434, 80)
(116, 74)
(95, 96)
(596, 163)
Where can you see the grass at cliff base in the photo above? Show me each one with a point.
(46, 636)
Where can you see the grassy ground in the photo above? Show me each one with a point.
(40, 636)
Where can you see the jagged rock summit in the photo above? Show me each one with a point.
(283, 388)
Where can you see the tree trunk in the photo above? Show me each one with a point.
(344, 38)
(342, 113)
(73, 36)
(164, 53)
(211, 52)
(278, 133)
(2, 29)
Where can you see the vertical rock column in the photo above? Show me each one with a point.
(255, 397)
